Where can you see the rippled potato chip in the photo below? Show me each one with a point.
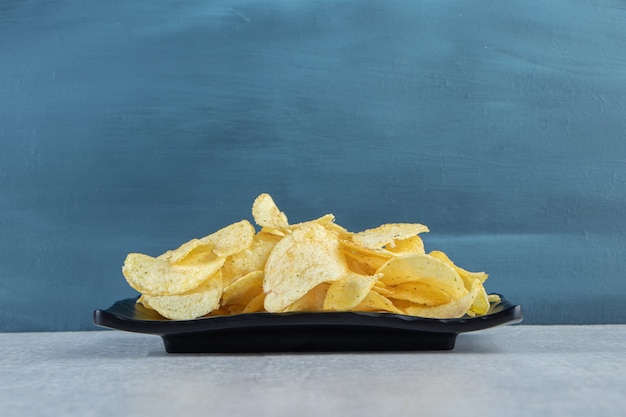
(241, 292)
(348, 291)
(315, 265)
(196, 303)
(453, 309)
(424, 269)
(267, 214)
(299, 262)
(251, 259)
(156, 276)
(387, 234)
(311, 301)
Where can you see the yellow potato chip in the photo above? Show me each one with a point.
(376, 302)
(255, 305)
(231, 239)
(454, 309)
(481, 303)
(494, 298)
(184, 250)
(413, 244)
(340, 231)
(382, 289)
(316, 265)
(267, 214)
(154, 276)
(142, 300)
(347, 292)
(252, 258)
(387, 234)
(363, 264)
(243, 290)
(190, 305)
(326, 220)
(273, 231)
(419, 293)
(311, 301)
(425, 269)
(300, 261)
(468, 277)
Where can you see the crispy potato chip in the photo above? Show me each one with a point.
(243, 290)
(363, 264)
(300, 261)
(154, 276)
(419, 293)
(340, 231)
(255, 305)
(468, 277)
(382, 289)
(481, 303)
(231, 239)
(494, 298)
(326, 220)
(316, 265)
(311, 301)
(425, 269)
(267, 214)
(142, 300)
(347, 292)
(387, 234)
(252, 258)
(376, 302)
(180, 253)
(225, 242)
(413, 244)
(273, 231)
(454, 309)
(190, 305)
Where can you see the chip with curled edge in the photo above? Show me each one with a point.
(314, 265)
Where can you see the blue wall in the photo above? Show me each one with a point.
(135, 126)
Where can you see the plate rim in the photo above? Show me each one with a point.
(507, 313)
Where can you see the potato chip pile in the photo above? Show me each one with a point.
(311, 266)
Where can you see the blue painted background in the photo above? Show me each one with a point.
(136, 126)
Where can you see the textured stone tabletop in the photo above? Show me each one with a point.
(505, 371)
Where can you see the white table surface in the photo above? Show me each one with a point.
(505, 371)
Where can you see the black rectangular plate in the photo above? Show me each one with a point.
(303, 331)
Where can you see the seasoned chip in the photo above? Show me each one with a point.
(347, 292)
(382, 289)
(177, 255)
(481, 303)
(231, 239)
(195, 303)
(468, 277)
(363, 264)
(413, 244)
(376, 302)
(154, 276)
(419, 293)
(255, 305)
(267, 214)
(424, 269)
(326, 220)
(387, 234)
(311, 301)
(453, 309)
(252, 258)
(300, 261)
(315, 265)
(238, 294)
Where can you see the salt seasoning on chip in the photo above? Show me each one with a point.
(316, 265)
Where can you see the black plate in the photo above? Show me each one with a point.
(301, 332)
